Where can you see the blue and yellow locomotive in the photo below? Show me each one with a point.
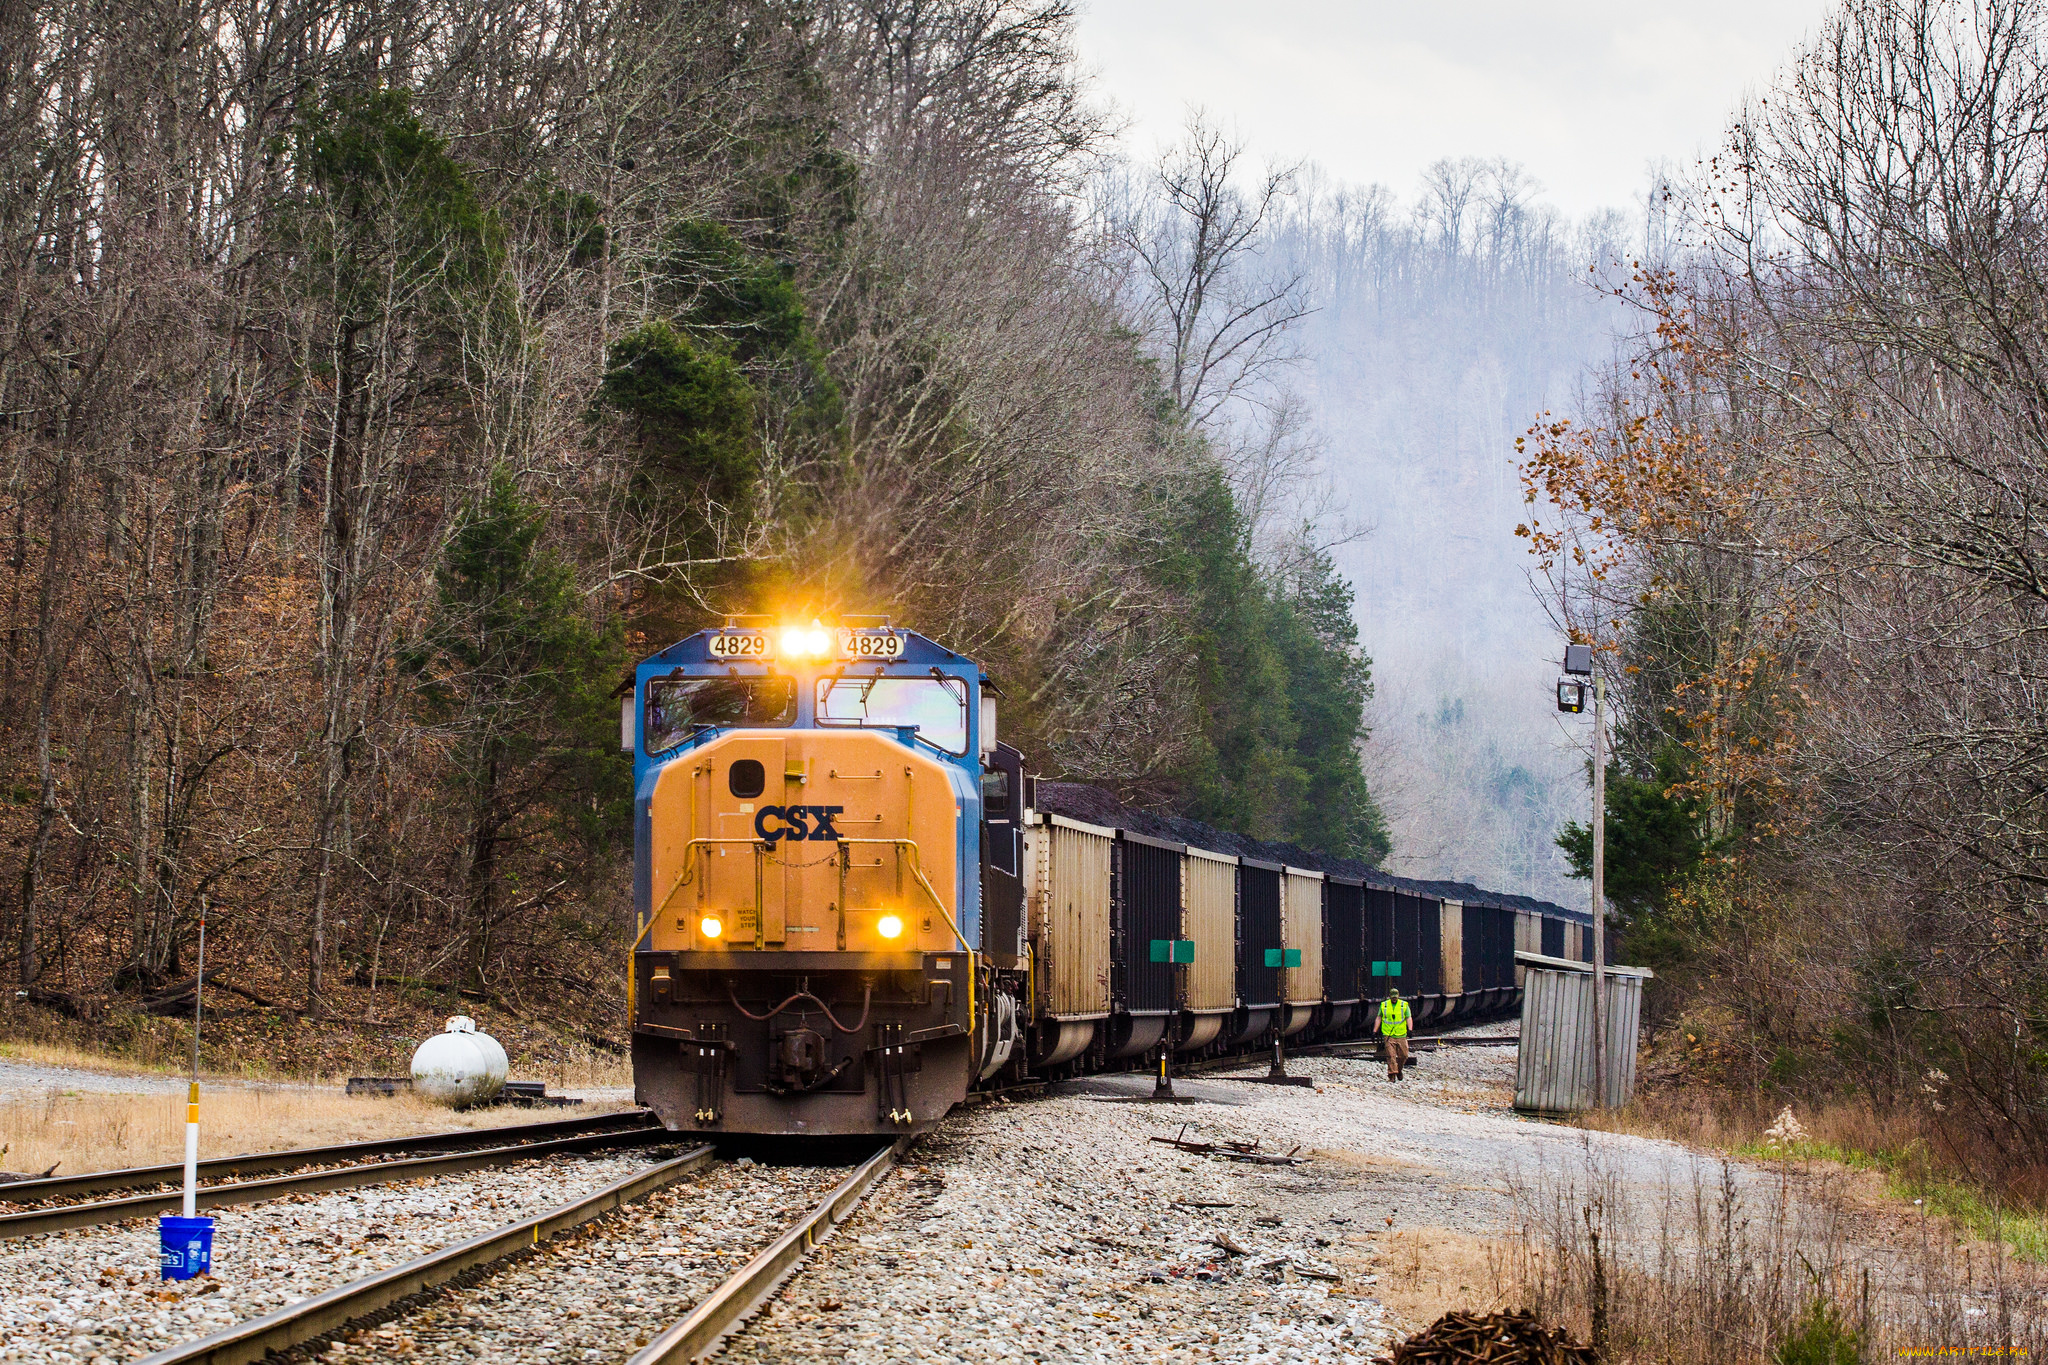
(853, 909)
(826, 858)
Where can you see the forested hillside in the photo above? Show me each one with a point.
(1802, 523)
(378, 381)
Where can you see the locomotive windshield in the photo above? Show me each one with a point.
(937, 708)
(679, 707)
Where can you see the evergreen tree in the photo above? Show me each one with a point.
(1329, 681)
(1281, 682)
(1654, 846)
(514, 672)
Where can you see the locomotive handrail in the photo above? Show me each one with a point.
(917, 871)
(632, 982)
(760, 846)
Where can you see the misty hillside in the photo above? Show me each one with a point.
(1447, 323)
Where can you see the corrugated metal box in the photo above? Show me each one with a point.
(1457, 951)
(1258, 931)
(1554, 1064)
(1148, 905)
(1343, 938)
(1210, 883)
(1301, 927)
(1072, 916)
(1429, 950)
(1528, 938)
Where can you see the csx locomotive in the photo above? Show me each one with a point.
(853, 908)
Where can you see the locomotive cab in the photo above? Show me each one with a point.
(810, 855)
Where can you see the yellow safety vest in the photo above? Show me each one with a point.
(1394, 1018)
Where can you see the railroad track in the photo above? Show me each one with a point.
(1353, 1049)
(389, 1296)
(58, 1217)
(1363, 1047)
(261, 1163)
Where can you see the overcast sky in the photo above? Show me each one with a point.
(1586, 94)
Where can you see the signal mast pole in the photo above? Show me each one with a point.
(1599, 894)
(1571, 699)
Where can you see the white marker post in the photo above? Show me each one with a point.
(192, 1096)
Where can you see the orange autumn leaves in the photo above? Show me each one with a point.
(1665, 533)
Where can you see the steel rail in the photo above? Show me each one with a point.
(1364, 1046)
(324, 1313)
(1351, 1049)
(30, 1222)
(728, 1306)
(253, 1163)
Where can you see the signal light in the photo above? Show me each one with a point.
(890, 926)
(711, 926)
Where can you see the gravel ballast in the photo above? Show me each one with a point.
(1055, 1230)
(605, 1290)
(96, 1294)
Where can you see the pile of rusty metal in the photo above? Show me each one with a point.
(1247, 1152)
(1490, 1339)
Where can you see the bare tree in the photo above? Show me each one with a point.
(1220, 309)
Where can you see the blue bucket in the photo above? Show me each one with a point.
(187, 1246)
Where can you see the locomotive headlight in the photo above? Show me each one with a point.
(711, 926)
(890, 926)
(813, 642)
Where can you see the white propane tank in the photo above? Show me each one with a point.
(459, 1066)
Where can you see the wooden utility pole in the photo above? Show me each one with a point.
(1599, 894)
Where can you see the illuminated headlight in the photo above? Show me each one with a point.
(793, 642)
(890, 926)
(817, 642)
(711, 926)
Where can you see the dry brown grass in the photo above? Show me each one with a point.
(582, 1068)
(1425, 1272)
(1719, 1274)
(577, 1068)
(1727, 1122)
(87, 1132)
(42, 1053)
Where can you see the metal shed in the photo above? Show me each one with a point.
(1554, 1064)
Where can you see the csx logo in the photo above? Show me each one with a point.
(797, 822)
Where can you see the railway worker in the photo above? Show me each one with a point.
(1394, 1016)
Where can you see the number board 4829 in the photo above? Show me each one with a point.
(873, 644)
(739, 644)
